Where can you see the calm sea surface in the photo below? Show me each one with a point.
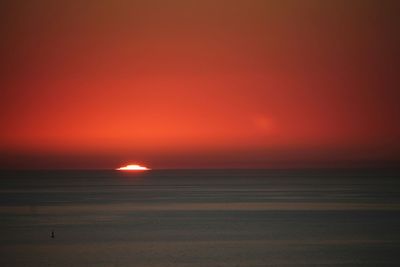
(200, 218)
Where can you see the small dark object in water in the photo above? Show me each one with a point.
(52, 234)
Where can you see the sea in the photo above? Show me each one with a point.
(297, 217)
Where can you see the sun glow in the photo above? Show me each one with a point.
(132, 167)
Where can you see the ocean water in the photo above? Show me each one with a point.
(200, 218)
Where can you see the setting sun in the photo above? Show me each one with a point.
(133, 167)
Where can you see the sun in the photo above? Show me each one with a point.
(133, 167)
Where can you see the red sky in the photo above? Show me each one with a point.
(181, 84)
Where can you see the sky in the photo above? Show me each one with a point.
(199, 84)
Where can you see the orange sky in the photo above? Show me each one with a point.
(180, 84)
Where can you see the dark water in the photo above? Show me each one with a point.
(200, 218)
